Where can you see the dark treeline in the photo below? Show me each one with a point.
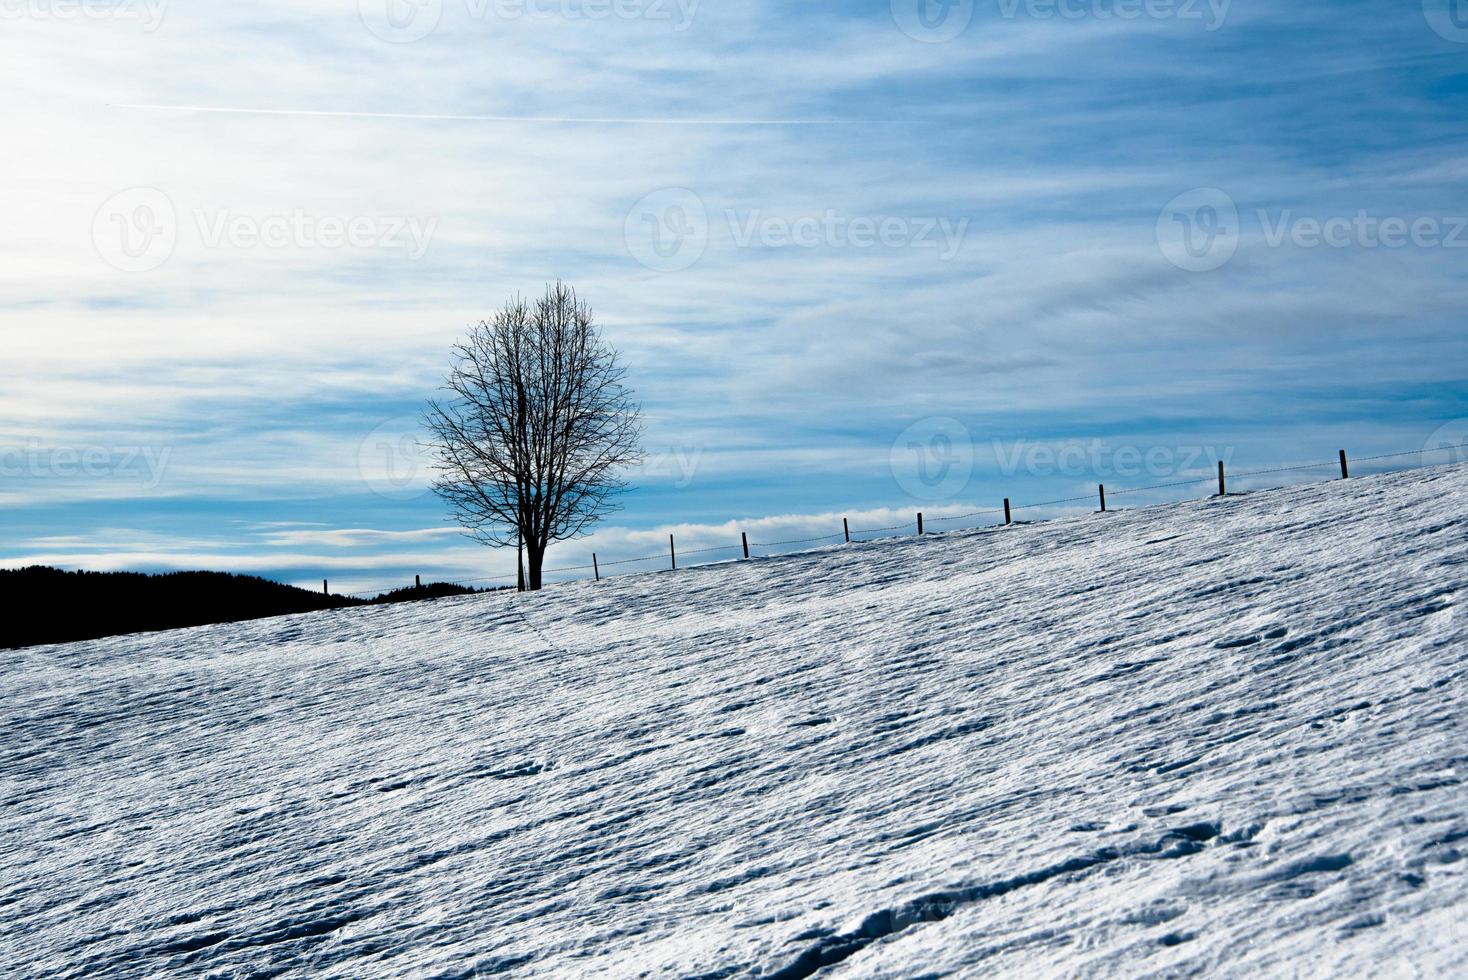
(47, 605)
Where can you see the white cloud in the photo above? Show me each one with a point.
(263, 369)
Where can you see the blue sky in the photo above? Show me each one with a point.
(863, 261)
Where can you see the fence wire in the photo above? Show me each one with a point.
(1054, 503)
(1284, 469)
(786, 544)
(854, 532)
(879, 530)
(966, 517)
(632, 561)
(1159, 486)
(709, 551)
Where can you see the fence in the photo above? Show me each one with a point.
(752, 549)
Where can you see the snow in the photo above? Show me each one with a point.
(1224, 736)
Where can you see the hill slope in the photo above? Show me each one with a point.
(48, 605)
(1224, 735)
(55, 606)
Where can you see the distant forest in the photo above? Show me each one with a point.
(48, 605)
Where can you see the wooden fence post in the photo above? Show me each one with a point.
(1345, 466)
(846, 528)
(745, 538)
(672, 552)
(324, 589)
(417, 581)
(1103, 497)
(595, 568)
(1222, 483)
(1008, 518)
(920, 523)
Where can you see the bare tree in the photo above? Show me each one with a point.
(535, 426)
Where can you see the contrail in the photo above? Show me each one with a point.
(444, 117)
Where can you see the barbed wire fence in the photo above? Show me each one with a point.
(1005, 516)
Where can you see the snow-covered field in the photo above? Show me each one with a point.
(1222, 737)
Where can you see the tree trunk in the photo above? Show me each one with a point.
(534, 559)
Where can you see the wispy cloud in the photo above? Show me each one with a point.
(355, 537)
(966, 229)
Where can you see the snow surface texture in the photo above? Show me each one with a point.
(1224, 736)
